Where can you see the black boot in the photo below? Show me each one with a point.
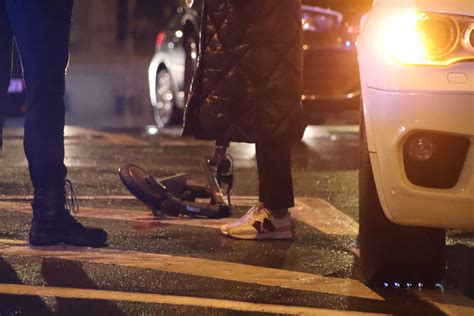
(53, 223)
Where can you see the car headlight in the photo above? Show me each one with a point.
(423, 38)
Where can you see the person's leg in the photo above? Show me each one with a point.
(41, 30)
(5, 62)
(274, 178)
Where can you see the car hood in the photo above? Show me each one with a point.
(461, 7)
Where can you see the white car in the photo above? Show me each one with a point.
(416, 61)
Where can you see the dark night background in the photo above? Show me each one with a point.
(112, 43)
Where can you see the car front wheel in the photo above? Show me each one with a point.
(165, 110)
(391, 253)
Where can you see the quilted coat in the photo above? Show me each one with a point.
(247, 87)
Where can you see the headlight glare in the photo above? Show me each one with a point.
(422, 38)
(438, 35)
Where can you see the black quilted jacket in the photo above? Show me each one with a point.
(248, 84)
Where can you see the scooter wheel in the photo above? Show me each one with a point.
(143, 185)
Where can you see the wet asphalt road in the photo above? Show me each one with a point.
(325, 167)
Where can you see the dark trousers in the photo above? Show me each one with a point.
(41, 29)
(274, 177)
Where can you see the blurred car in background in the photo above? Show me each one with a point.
(331, 74)
(172, 68)
(16, 99)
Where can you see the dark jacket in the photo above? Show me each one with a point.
(247, 87)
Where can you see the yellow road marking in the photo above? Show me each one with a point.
(11, 242)
(74, 293)
(125, 215)
(314, 212)
(199, 267)
(324, 217)
(28, 198)
(236, 200)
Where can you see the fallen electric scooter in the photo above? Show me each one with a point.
(174, 196)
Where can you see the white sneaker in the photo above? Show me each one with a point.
(225, 228)
(257, 223)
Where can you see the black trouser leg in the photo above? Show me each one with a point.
(5, 62)
(41, 29)
(274, 177)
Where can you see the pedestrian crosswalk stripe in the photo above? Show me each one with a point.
(236, 200)
(27, 198)
(324, 217)
(222, 270)
(314, 212)
(88, 294)
(125, 215)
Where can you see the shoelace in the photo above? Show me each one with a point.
(253, 209)
(257, 209)
(71, 199)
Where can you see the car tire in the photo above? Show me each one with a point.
(190, 65)
(391, 253)
(165, 111)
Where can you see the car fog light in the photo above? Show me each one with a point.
(420, 148)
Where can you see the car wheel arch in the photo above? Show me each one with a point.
(366, 125)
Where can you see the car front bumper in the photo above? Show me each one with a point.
(395, 116)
